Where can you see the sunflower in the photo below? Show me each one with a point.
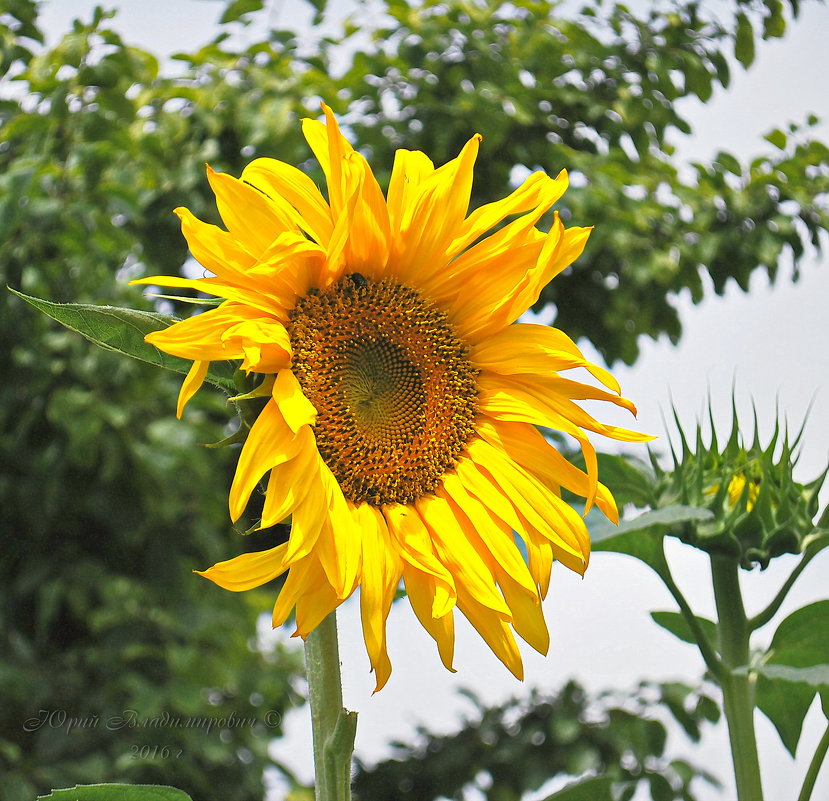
(400, 431)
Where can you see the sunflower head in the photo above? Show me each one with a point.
(404, 402)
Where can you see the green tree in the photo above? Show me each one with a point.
(107, 502)
(599, 92)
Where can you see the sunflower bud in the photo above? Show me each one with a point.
(759, 510)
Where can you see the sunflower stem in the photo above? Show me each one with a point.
(737, 689)
(814, 767)
(333, 726)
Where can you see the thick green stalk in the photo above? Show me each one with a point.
(738, 696)
(333, 726)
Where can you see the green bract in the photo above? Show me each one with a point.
(758, 510)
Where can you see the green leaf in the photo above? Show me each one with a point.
(777, 138)
(642, 536)
(815, 676)
(596, 789)
(678, 626)
(744, 41)
(800, 642)
(117, 792)
(123, 331)
(774, 23)
(238, 8)
(628, 478)
(728, 162)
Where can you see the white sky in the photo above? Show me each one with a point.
(771, 341)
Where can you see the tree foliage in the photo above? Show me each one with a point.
(508, 750)
(107, 502)
(602, 93)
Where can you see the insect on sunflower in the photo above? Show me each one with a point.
(401, 427)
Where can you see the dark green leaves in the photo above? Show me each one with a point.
(744, 40)
(117, 792)
(796, 667)
(123, 331)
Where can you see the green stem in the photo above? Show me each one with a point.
(737, 689)
(333, 726)
(770, 611)
(814, 767)
(709, 655)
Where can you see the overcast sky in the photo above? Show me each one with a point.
(771, 341)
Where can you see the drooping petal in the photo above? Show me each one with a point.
(420, 587)
(191, 385)
(415, 547)
(495, 630)
(452, 544)
(200, 337)
(248, 570)
(269, 443)
(382, 569)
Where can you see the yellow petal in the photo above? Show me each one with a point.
(420, 587)
(252, 219)
(288, 483)
(200, 337)
(525, 445)
(415, 547)
(495, 631)
(248, 570)
(259, 301)
(530, 348)
(269, 443)
(527, 615)
(429, 224)
(410, 168)
(534, 502)
(494, 537)
(538, 191)
(264, 342)
(214, 248)
(281, 181)
(330, 148)
(468, 565)
(296, 409)
(191, 385)
(382, 569)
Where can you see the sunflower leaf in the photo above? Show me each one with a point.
(796, 668)
(123, 331)
(117, 792)
(675, 623)
(642, 536)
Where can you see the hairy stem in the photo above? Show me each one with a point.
(333, 726)
(737, 689)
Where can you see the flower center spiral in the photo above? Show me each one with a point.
(394, 391)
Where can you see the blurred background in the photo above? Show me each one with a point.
(693, 137)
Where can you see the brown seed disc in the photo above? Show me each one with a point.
(394, 390)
